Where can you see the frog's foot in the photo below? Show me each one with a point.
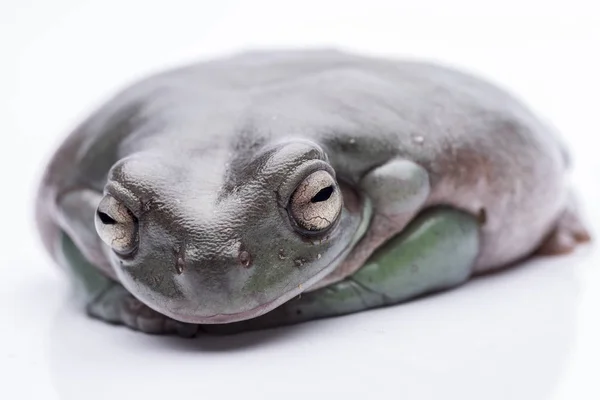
(109, 301)
(117, 306)
(568, 233)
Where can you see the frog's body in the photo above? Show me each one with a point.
(202, 154)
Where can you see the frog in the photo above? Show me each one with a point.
(272, 187)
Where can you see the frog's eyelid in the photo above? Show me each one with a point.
(291, 181)
(125, 196)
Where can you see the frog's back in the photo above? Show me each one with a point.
(482, 148)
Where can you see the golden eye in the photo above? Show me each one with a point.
(316, 202)
(116, 225)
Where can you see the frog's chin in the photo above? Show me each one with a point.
(266, 307)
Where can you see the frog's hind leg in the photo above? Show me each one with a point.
(436, 251)
(108, 300)
(567, 234)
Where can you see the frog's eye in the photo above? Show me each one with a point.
(116, 225)
(316, 202)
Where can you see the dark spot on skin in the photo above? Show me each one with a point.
(482, 216)
(245, 258)
(282, 254)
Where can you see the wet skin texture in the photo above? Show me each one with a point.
(209, 197)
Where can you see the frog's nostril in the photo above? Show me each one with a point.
(245, 258)
(180, 265)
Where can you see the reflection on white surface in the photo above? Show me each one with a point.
(505, 336)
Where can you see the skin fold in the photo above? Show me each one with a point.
(272, 188)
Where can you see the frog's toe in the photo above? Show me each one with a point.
(116, 305)
(568, 233)
(140, 317)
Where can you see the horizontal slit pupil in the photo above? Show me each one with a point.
(323, 195)
(106, 219)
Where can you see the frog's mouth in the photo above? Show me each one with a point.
(366, 214)
(271, 305)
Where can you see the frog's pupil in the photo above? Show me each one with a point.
(323, 195)
(106, 219)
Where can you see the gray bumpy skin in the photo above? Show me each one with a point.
(210, 197)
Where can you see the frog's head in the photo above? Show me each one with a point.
(216, 238)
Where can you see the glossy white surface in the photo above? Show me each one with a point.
(528, 333)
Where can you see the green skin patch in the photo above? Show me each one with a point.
(436, 251)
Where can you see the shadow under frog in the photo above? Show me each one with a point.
(506, 336)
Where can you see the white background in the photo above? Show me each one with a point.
(529, 333)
